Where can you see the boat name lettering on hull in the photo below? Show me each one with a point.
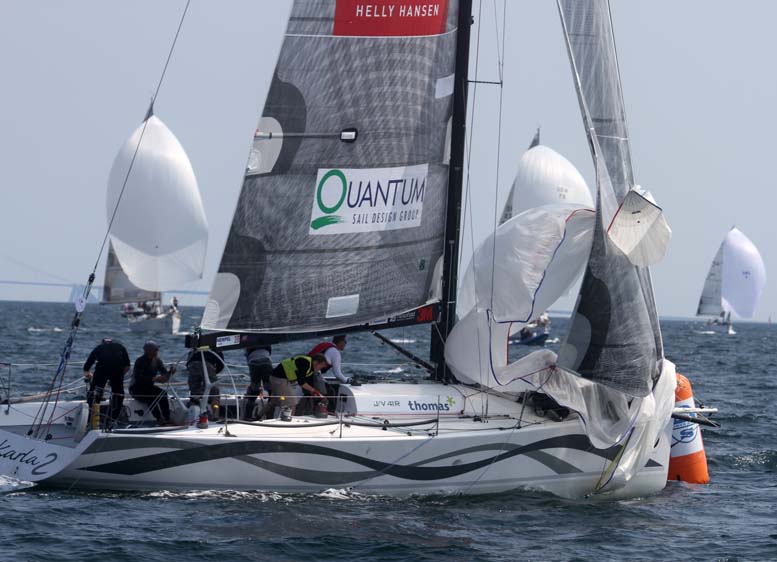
(26, 457)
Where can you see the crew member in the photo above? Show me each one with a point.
(290, 375)
(112, 364)
(332, 351)
(150, 369)
(197, 364)
(259, 369)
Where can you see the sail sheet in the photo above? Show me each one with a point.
(117, 288)
(614, 338)
(340, 220)
(744, 275)
(710, 303)
(158, 228)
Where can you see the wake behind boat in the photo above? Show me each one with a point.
(331, 255)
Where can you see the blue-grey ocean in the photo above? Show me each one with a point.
(732, 518)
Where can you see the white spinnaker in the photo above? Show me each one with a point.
(159, 233)
(744, 275)
(539, 255)
(545, 177)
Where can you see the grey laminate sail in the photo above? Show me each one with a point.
(341, 217)
(614, 338)
(710, 300)
(117, 287)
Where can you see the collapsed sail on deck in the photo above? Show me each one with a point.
(341, 217)
(736, 278)
(117, 287)
(614, 338)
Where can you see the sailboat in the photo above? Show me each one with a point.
(734, 283)
(157, 228)
(348, 220)
(143, 309)
(544, 177)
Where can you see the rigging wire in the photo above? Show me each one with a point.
(65, 355)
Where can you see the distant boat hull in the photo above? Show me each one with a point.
(168, 322)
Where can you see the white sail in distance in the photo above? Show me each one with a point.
(736, 278)
(159, 231)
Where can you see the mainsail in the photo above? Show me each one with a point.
(614, 338)
(736, 278)
(117, 288)
(341, 217)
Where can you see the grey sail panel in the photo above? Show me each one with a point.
(615, 337)
(329, 233)
(710, 300)
(117, 288)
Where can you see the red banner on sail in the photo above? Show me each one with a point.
(390, 17)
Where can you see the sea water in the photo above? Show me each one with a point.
(732, 518)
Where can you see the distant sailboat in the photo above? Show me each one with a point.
(734, 283)
(159, 234)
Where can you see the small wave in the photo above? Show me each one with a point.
(8, 484)
(758, 460)
(553, 340)
(227, 495)
(394, 371)
(402, 340)
(339, 494)
(705, 332)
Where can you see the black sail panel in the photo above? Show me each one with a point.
(615, 337)
(117, 288)
(332, 231)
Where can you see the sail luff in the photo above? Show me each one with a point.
(710, 299)
(449, 280)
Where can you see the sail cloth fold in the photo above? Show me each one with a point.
(159, 232)
(333, 229)
(639, 229)
(530, 261)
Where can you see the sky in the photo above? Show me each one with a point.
(698, 80)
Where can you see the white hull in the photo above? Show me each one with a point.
(449, 455)
(167, 322)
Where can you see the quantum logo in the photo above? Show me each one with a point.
(368, 199)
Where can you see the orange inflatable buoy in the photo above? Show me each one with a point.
(687, 460)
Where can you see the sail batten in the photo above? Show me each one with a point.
(334, 231)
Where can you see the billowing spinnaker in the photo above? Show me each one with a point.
(545, 177)
(744, 275)
(159, 232)
(539, 255)
(342, 213)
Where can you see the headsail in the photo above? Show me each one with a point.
(341, 216)
(117, 288)
(615, 337)
(158, 232)
(710, 303)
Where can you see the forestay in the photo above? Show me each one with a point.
(158, 232)
(341, 215)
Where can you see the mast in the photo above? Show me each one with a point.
(443, 327)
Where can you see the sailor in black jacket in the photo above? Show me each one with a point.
(112, 364)
(150, 369)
